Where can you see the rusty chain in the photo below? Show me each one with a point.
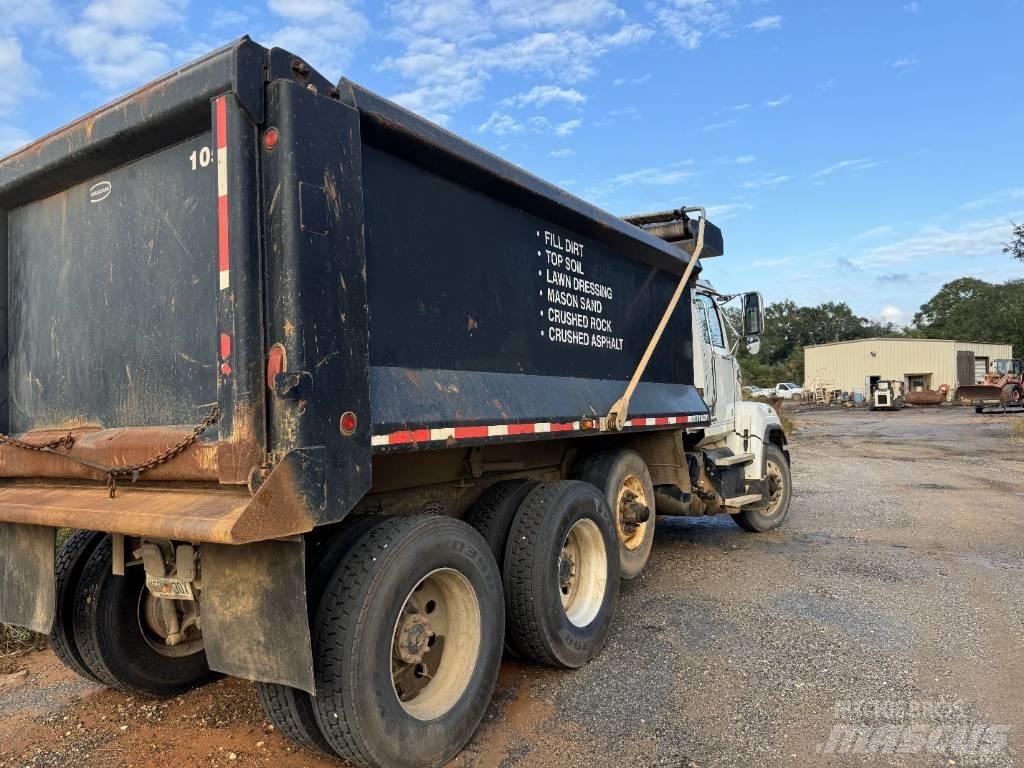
(121, 470)
(67, 441)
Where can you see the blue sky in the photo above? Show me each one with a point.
(852, 151)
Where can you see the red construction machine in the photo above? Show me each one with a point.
(1003, 385)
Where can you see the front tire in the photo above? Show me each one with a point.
(119, 639)
(780, 492)
(408, 643)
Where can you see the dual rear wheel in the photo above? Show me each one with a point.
(111, 630)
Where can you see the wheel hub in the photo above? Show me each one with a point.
(413, 638)
(566, 571)
(632, 512)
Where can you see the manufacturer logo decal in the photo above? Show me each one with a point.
(99, 191)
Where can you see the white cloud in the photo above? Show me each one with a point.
(727, 211)
(112, 41)
(688, 22)
(17, 13)
(846, 165)
(875, 232)
(504, 124)
(715, 126)
(135, 15)
(912, 7)
(562, 153)
(768, 180)
(741, 107)
(449, 74)
(228, 18)
(326, 32)
(1015, 193)
(540, 95)
(667, 176)
(778, 102)
(17, 74)
(567, 14)
(890, 313)
(567, 128)
(942, 245)
(501, 124)
(745, 159)
(766, 23)
(449, 20)
(904, 63)
(640, 80)
(115, 60)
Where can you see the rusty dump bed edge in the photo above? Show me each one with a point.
(214, 516)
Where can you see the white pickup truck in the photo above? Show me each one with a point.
(788, 390)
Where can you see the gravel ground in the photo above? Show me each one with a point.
(882, 625)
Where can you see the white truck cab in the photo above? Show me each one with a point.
(741, 432)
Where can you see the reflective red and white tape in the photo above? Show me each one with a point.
(455, 434)
(223, 240)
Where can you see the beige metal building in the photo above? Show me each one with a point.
(851, 366)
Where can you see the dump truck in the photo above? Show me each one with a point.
(337, 402)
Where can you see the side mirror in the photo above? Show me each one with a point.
(753, 314)
(753, 345)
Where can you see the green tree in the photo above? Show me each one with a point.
(969, 309)
(1016, 245)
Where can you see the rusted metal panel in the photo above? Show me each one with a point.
(192, 514)
(27, 585)
(255, 621)
(109, 447)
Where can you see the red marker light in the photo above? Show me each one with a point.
(348, 423)
(270, 139)
(276, 359)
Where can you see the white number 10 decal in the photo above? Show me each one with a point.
(201, 159)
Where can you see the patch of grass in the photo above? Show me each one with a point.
(1017, 428)
(15, 640)
(788, 422)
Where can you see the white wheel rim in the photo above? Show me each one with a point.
(583, 572)
(435, 644)
(776, 488)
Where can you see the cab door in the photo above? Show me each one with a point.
(721, 387)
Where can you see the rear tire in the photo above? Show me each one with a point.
(622, 477)
(109, 631)
(417, 591)
(780, 492)
(70, 562)
(562, 574)
(292, 710)
(492, 517)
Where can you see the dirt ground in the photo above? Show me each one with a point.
(882, 625)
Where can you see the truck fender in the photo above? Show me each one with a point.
(757, 424)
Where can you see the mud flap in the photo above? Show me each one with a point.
(27, 584)
(253, 602)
